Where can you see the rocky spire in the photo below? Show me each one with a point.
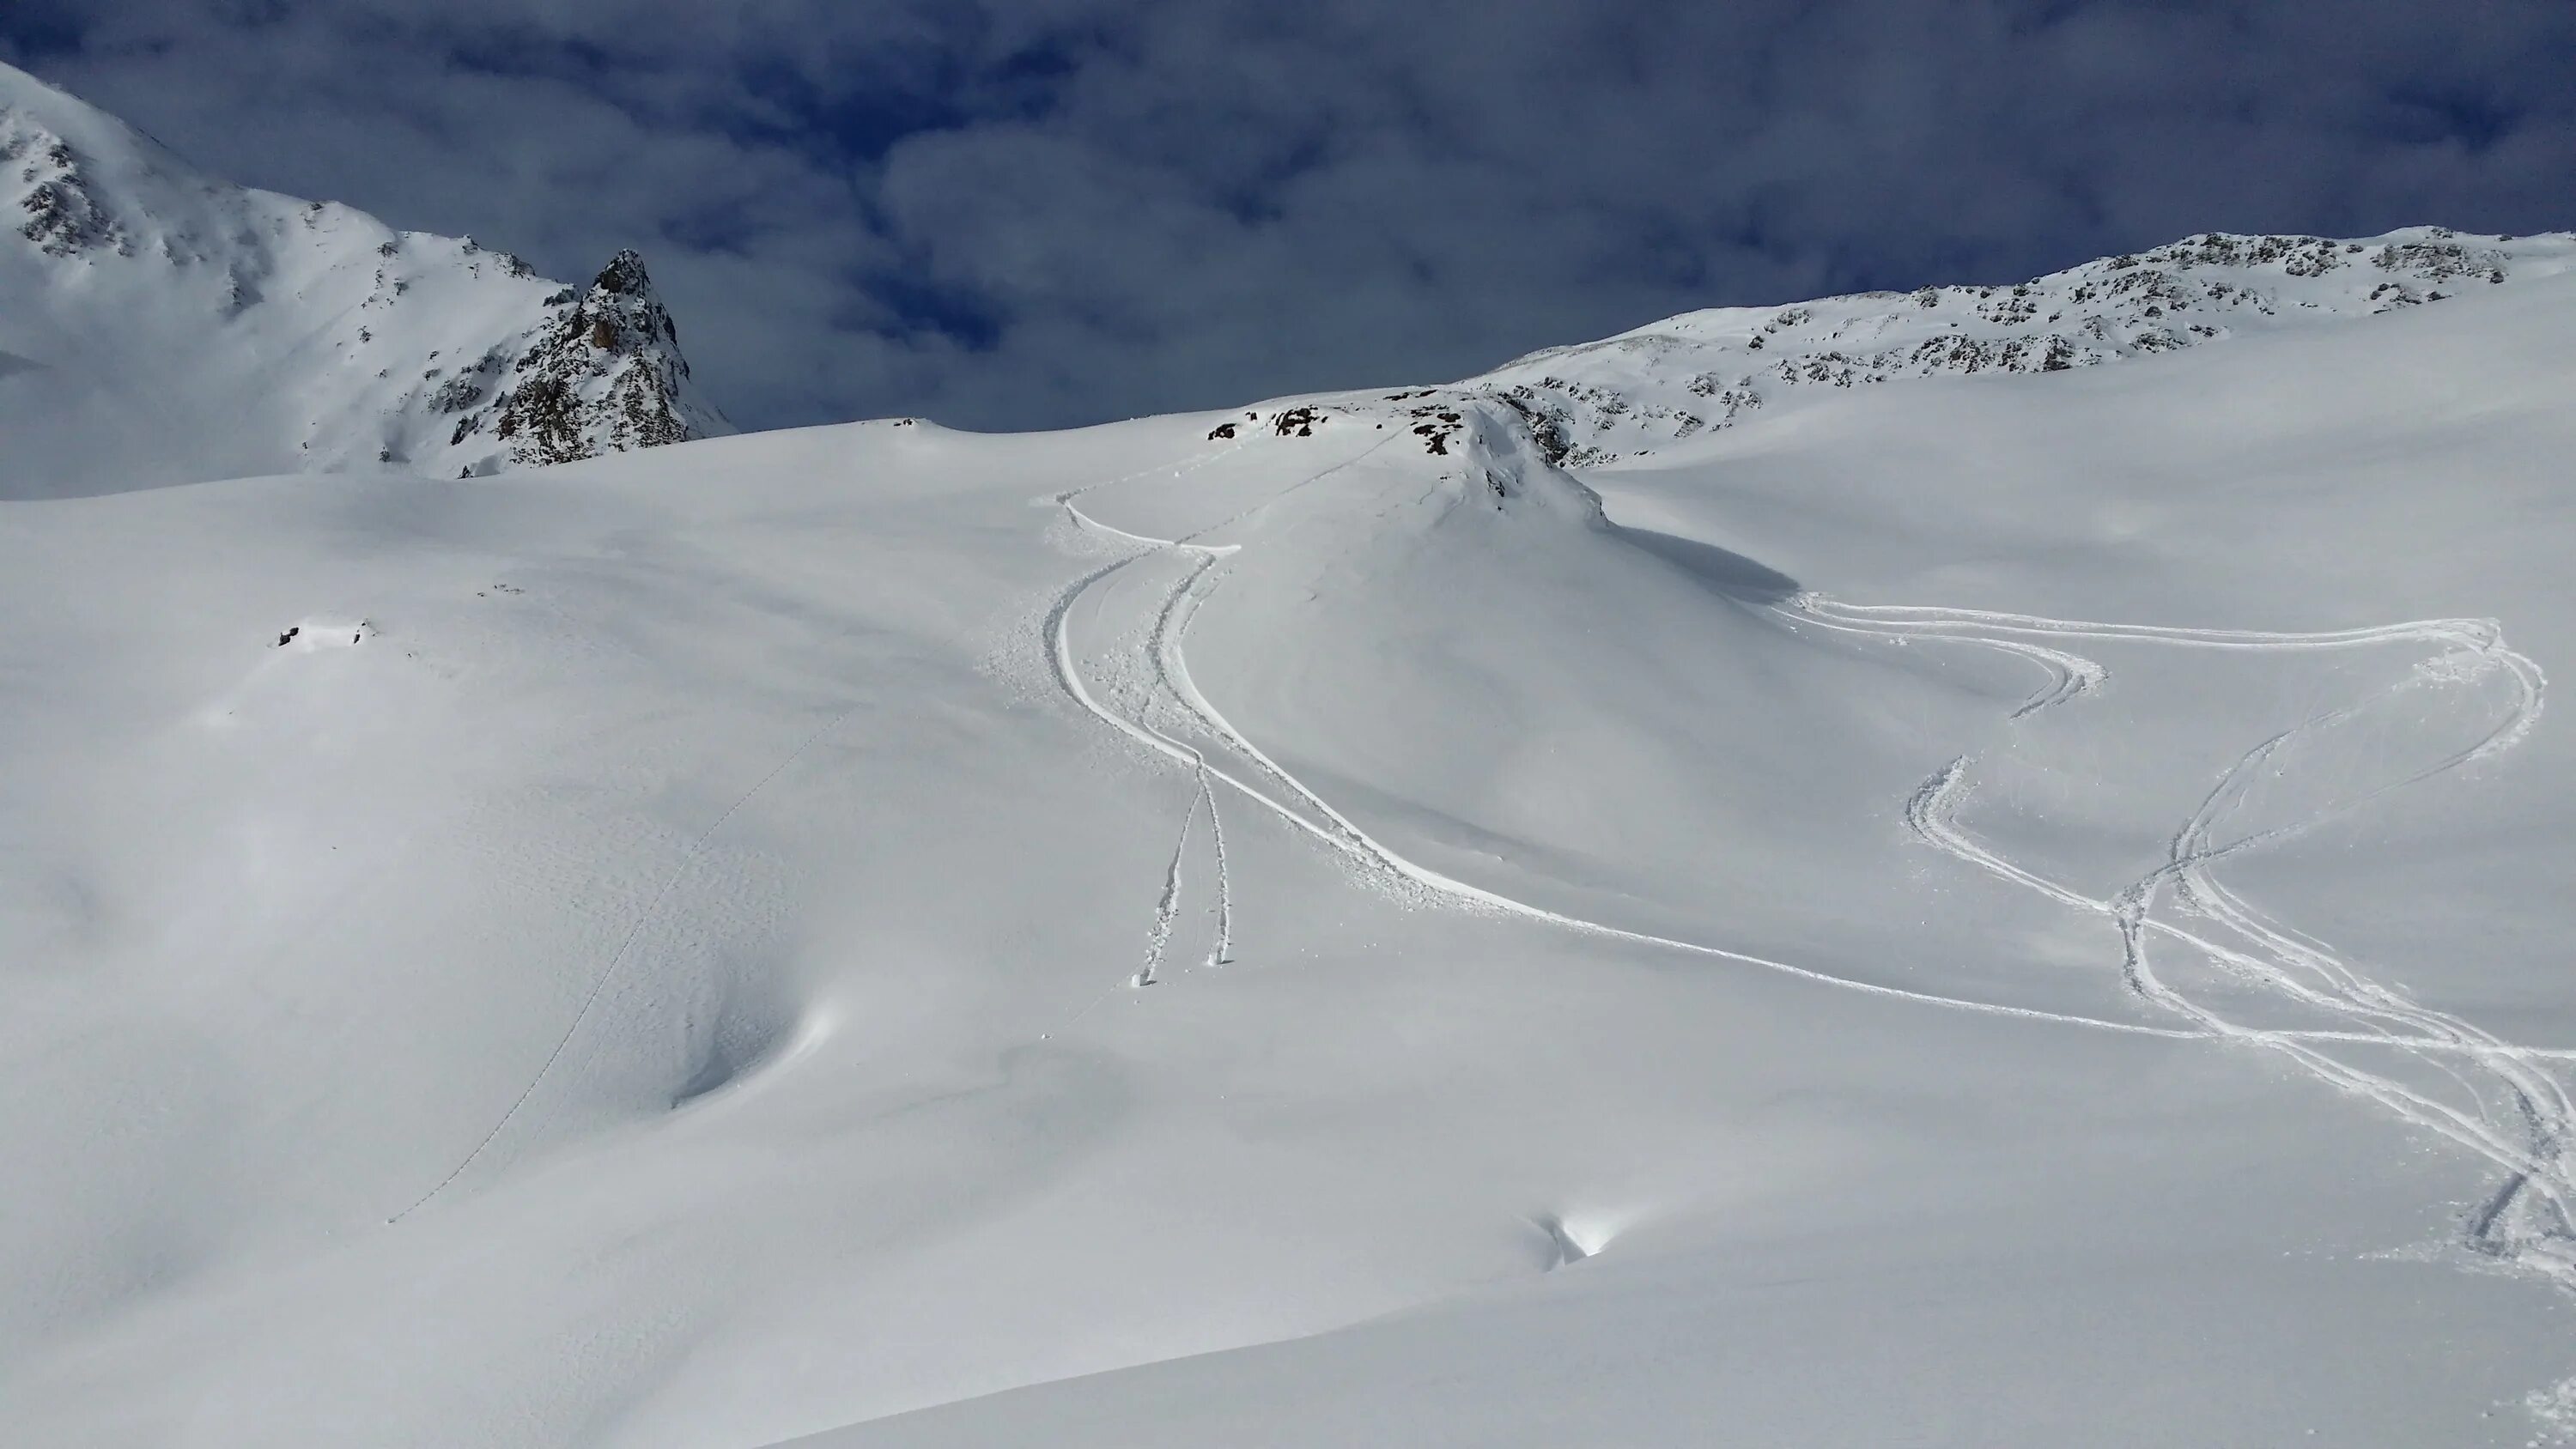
(601, 374)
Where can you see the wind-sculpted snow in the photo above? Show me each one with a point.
(1644, 390)
(180, 328)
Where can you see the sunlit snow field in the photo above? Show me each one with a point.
(2001, 910)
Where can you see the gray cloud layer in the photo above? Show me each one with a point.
(1032, 212)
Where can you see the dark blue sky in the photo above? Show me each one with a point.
(1035, 212)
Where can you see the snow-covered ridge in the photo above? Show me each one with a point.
(1629, 394)
(160, 325)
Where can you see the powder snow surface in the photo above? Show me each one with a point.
(2014, 909)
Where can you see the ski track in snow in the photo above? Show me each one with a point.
(1160, 938)
(2071, 675)
(2525, 1224)
(2522, 1118)
(1222, 951)
(1168, 672)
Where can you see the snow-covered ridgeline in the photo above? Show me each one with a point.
(1630, 394)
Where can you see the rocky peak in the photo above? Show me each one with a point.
(602, 373)
(625, 313)
(624, 273)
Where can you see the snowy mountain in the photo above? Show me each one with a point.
(1629, 395)
(2022, 908)
(157, 325)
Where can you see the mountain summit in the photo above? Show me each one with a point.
(601, 374)
(158, 325)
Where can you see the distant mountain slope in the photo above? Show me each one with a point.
(158, 325)
(1627, 395)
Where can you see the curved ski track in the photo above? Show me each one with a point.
(1291, 800)
(2523, 1118)
(2526, 1222)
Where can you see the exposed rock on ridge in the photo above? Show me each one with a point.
(602, 374)
(1626, 395)
(63, 218)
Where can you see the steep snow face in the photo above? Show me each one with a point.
(1625, 396)
(158, 325)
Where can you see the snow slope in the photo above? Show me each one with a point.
(2123, 853)
(1312, 926)
(157, 326)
